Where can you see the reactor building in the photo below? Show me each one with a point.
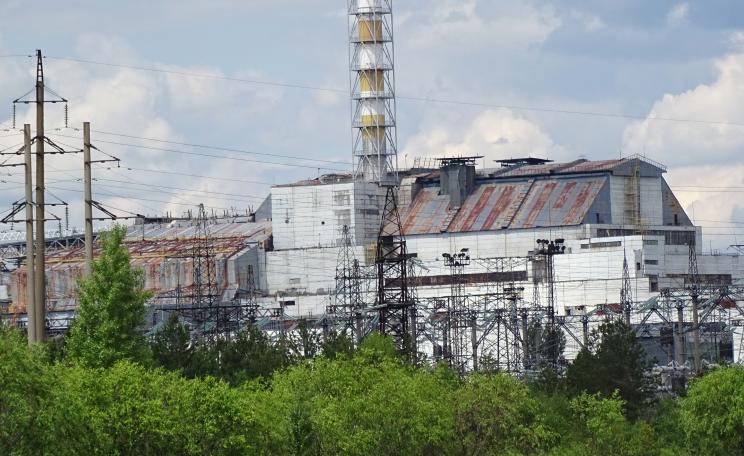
(574, 239)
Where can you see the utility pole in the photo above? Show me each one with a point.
(35, 255)
(30, 289)
(88, 200)
(39, 279)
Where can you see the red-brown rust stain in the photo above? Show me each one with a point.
(539, 204)
(473, 213)
(563, 197)
(413, 211)
(600, 165)
(428, 216)
(505, 199)
(578, 208)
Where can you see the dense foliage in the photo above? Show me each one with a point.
(371, 402)
(107, 390)
(613, 361)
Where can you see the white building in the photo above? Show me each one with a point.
(604, 211)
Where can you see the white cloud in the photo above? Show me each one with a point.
(494, 134)
(452, 24)
(685, 143)
(678, 14)
(143, 104)
(709, 195)
(736, 40)
(700, 155)
(590, 22)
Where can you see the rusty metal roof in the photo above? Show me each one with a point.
(505, 205)
(581, 166)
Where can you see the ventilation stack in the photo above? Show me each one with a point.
(372, 90)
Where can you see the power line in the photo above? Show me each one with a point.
(220, 148)
(175, 173)
(407, 97)
(201, 154)
(245, 198)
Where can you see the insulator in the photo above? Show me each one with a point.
(14, 116)
(67, 115)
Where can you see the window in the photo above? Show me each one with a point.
(653, 283)
(676, 219)
(650, 242)
(650, 262)
(602, 245)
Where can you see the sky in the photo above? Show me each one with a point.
(556, 79)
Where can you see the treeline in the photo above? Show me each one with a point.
(368, 403)
(106, 389)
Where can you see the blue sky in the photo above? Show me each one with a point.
(682, 60)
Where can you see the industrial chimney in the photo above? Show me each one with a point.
(372, 90)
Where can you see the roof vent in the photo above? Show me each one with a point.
(509, 162)
(457, 178)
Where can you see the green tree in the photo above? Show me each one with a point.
(545, 346)
(612, 361)
(337, 344)
(128, 409)
(23, 388)
(495, 414)
(306, 342)
(602, 428)
(171, 345)
(249, 356)
(712, 414)
(374, 403)
(111, 302)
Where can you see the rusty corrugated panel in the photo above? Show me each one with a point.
(593, 166)
(563, 197)
(430, 214)
(539, 203)
(549, 202)
(576, 208)
(500, 208)
(532, 170)
(470, 208)
(409, 217)
(558, 202)
(583, 201)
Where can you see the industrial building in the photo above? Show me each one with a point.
(473, 254)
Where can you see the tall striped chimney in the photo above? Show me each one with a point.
(372, 90)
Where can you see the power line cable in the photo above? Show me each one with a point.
(406, 97)
(201, 154)
(220, 148)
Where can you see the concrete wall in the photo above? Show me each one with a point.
(588, 274)
(311, 216)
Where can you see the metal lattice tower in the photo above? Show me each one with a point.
(205, 308)
(347, 308)
(394, 300)
(372, 81)
(460, 318)
(626, 297)
(245, 302)
(693, 286)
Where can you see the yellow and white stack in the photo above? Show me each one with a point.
(373, 90)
